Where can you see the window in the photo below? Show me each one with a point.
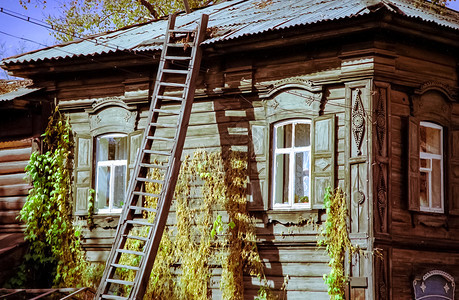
(111, 166)
(431, 167)
(291, 164)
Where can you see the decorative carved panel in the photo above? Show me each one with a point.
(435, 284)
(381, 167)
(358, 120)
(381, 272)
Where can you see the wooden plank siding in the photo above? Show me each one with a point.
(14, 156)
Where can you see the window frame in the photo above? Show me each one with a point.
(292, 151)
(112, 164)
(430, 157)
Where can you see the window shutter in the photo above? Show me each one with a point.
(453, 179)
(413, 164)
(135, 141)
(83, 172)
(322, 158)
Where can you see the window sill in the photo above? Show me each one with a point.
(294, 216)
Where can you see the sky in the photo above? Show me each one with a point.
(20, 36)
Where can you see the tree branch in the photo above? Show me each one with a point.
(150, 8)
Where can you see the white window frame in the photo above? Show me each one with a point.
(111, 164)
(291, 152)
(430, 157)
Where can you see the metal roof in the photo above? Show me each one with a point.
(18, 93)
(234, 19)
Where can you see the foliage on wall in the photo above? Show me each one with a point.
(213, 229)
(335, 237)
(53, 242)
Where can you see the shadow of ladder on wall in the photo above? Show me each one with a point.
(175, 83)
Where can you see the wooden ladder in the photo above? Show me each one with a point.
(159, 154)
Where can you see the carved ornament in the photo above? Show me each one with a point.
(382, 199)
(445, 89)
(358, 121)
(380, 121)
(293, 83)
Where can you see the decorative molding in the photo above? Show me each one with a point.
(111, 114)
(358, 120)
(445, 89)
(292, 83)
(102, 103)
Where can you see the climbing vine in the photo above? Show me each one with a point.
(53, 242)
(213, 230)
(335, 237)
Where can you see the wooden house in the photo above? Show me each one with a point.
(23, 118)
(355, 94)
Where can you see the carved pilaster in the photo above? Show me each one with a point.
(381, 166)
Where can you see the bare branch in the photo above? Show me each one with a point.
(150, 8)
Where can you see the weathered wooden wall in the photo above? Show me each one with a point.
(412, 243)
(14, 156)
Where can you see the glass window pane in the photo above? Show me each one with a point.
(120, 186)
(302, 135)
(430, 140)
(111, 148)
(282, 179)
(301, 177)
(436, 183)
(424, 190)
(102, 149)
(284, 136)
(117, 148)
(103, 187)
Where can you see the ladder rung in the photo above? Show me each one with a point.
(126, 267)
(181, 30)
(157, 152)
(150, 180)
(130, 252)
(168, 98)
(135, 237)
(172, 71)
(113, 297)
(149, 209)
(163, 125)
(180, 45)
(169, 57)
(153, 166)
(123, 282)
(161, 138)
(173, 84)
(146, 194)
(141, 223)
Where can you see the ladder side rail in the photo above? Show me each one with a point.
(156, 233)
(190, 91)
(103, 286)
(171, 179)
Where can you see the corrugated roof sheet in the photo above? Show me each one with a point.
(234, 19)
(18, 93)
